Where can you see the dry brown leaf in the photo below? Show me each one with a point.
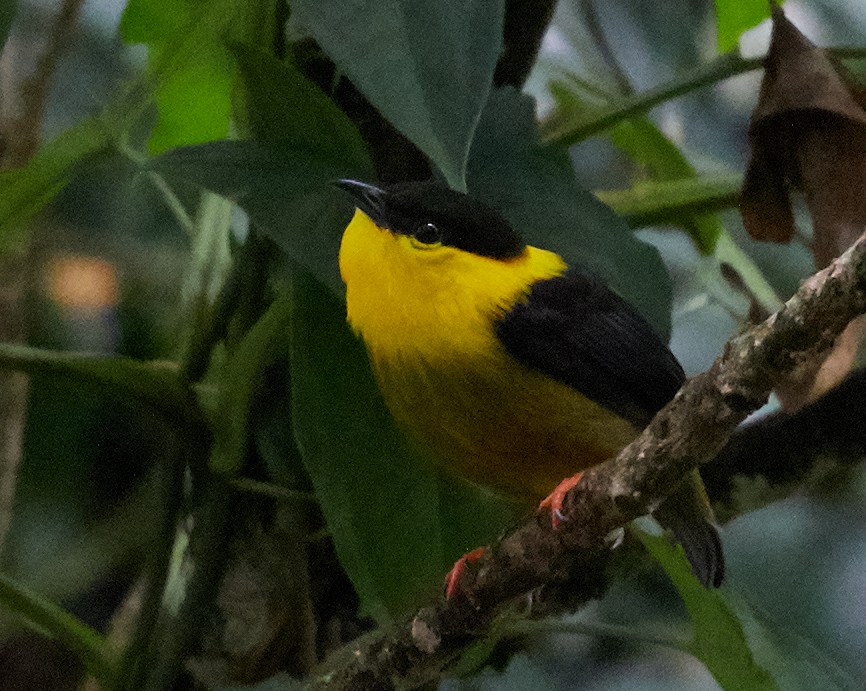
(808, 133)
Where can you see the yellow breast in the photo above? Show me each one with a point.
(427, 318)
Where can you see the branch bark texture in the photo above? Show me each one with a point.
(689, 431)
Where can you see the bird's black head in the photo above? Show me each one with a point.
(435, 214)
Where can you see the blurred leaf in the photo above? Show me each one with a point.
(675, 194)
(271, 422)
(48, 618)
(533, 185)
(396, 527)
(284, 180)
(288, 193)
(572, 123)
(155, 383)
(645, 143)
(719, 640)
(240, 381)
(8, 8)
(194, 104)
(25, 191)
(439, 58)
(192, 69)
(794, 661)
(672, 201)
(733, 17)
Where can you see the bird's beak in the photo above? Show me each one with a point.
(369, 199)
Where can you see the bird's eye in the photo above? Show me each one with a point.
(427, 234)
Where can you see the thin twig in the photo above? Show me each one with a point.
(34, 91)
(593, 25)
(565, 128)
(22, 139)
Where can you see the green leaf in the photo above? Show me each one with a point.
(396, 526)
(685, 202)
(674, 201)
(8, 8)
(794, 661)
(241, 379)
(288, 193)
(194, 103)
(661, 160)
(190, 66)
(154, 383)
(719, 640)
(733, 17)
(51, 619)
(283, 180)
(641, 139)
(382, 511)
(426, 66)
(286, 108)
(25, 191)
(533, 185)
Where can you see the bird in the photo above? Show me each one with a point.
(511, 367)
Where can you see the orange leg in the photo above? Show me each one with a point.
(452, 580)
(553, 501)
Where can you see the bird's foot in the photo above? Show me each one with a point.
(553, 501)
(452, 580)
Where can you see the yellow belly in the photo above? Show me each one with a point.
(427, 318)
(496, 423)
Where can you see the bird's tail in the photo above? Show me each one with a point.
(687, 514)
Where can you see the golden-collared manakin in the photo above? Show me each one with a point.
(513, 368)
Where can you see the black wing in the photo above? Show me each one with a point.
(576, 330)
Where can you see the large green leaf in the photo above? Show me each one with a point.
(395, 524)
(426, 66)
(534, 187)
(285, 107)
(733, 17)
(287, 193)
(794, 661)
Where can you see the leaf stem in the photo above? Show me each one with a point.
(268, 489)
(568, 128)
(672, 201)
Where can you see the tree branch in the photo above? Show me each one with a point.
(690, 430)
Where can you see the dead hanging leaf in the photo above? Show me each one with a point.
(808, 133)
